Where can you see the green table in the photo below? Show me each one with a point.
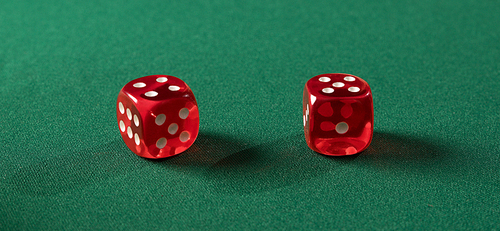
(433, 67)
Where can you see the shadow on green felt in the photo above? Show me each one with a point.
(269, 166)
(206, 150)
(235, 166)
(72, 171)
(397, 152)
(232, 165)
(289, 161)
(75, 170)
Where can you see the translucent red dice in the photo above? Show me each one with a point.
(338, 114)
(157, 116)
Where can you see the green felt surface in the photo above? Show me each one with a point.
(433, 67)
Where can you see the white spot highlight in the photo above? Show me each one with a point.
(160, 119)
(353, 89)
(122, 126)
(184, 113)
(137, 139)
(121, 108)
(172, 129)
(184, 136)
(129, 132)
(161, 143)
(139, 85)
(151, 93)
(174, 88)
(349, 79)
(136, 121)
(338, 84)
(129, 114)
(304, 117)
(328, 90)
(313, 99)
(133, 98)
(342, 127)
(307, 111)
(161, 79)
(324, 79)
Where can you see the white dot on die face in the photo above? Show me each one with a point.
(121, 108)
(184, 113)
(122, 126)
(342, 127)
(151, 93)
(129, 132)
(136, 121)
(184, 136)
(304, 117)
(139, 85)
(174, 88)
(129, 114)
(172, 128)
(353, 89)
(338, 84)
(137, 139)
(324, 79)
(160, 119)
(327, 90)
(161, 143)
(349, 78)
(161, 79)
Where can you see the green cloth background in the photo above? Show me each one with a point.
(433, 67)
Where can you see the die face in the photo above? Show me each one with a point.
(129, 123)
(172, 127)
(163, 118)
(338, 86)
(338, 114)
(150, 89)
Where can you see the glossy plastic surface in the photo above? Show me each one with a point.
(337, 114)
(157, 116)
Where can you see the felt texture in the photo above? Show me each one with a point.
(433, 67)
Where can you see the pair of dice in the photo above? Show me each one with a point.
(158, 115)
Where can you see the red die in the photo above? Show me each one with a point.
(338, 114)
(157, 116)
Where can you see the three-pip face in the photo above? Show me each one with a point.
(337, 114)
